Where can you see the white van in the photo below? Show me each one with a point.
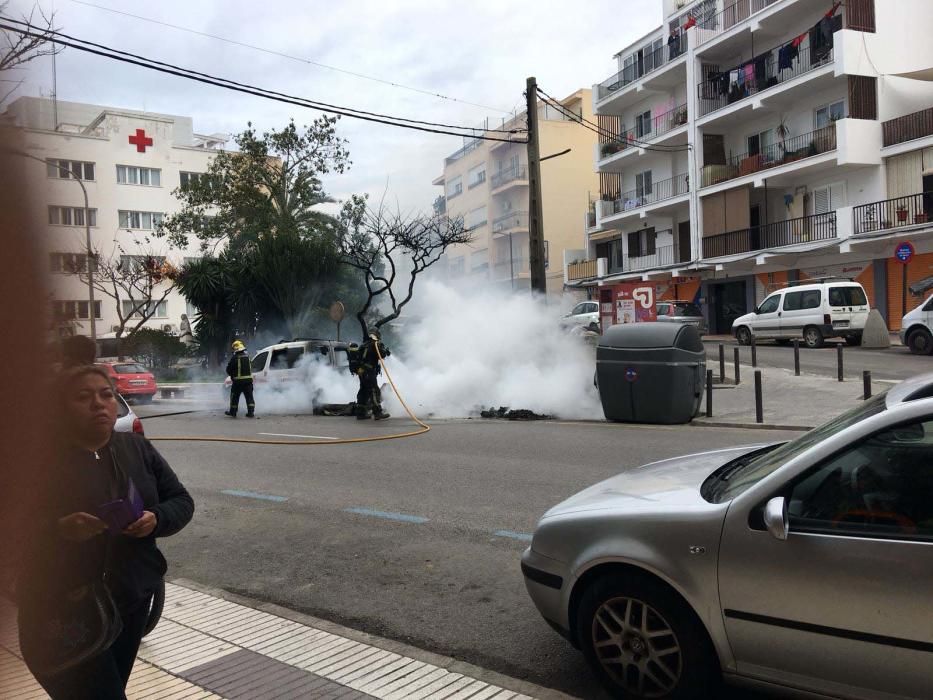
(279, 364)
(813, 312)
(916, 328)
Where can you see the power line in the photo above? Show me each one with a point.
(135, 59)
(272, 52)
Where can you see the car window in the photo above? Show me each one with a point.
(259, 362)
(770, 304)
(792, 301)
(664, 309)
(319, 353)
(687, 310)
(847, 296)
(286, 358)
(881, 487)
(592, 308)
(929, 305)
(578, 309)
(795, 301)
(129, 369)
(342, 356)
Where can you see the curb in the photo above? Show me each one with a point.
(751, 426)
(446, 662)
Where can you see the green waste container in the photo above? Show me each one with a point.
(650, 372)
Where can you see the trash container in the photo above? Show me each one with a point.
(651, 372)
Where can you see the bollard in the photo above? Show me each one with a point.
(754, 353)
(866, 384)
(735, 360)
(796, 357)
(759, 408)
(709, 393)
(839, 361)
(722, 363)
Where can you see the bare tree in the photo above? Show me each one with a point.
(391, 250)
(17, 49)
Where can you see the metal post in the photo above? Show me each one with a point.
(866, 384)
(903, 290)
(709, 393)
(759, 408)
(535, 211)
(796, 357)
(722, 364)
(839, 362)
(735, 360)
(511, 262)
(754, 353)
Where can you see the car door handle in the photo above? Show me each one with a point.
(780, 312)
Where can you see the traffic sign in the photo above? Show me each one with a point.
(904, 252)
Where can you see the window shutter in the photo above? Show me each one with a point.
(651, 237)
(821, 202)
(837, 195)
(634, 247)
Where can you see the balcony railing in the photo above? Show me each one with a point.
(509, 269)
(656, 192)
(892, 213)
(819, 227)
(771, 156)
(723, 89)
(646, 64)
(581, 270)
(519, 172)
(591, 218)
(730, 16)
(658, 126)
(512, 220)
(662, 255)
(909, 127)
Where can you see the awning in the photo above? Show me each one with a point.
(923, 74)
(921, 287)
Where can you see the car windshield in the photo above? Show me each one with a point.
(686, 310)
(129, 369)
(740, 474)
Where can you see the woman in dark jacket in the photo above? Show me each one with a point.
(74, 546)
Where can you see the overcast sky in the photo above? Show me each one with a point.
(478, 51)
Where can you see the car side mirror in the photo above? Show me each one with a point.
(775, 517)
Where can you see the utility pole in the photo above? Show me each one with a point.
(535, 214)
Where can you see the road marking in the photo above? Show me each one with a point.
(523, 536)
(253, 494)
(315, 437)
(402, 517)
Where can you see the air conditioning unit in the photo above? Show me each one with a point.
(114, 329)
(168, 328)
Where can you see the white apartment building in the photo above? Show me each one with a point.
(130, 162)
(747, 144)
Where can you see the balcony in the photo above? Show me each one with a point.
(806, 229)
(637, 199)
(661, 256)
(891, 214)
(517, 175)
(581, 270)
(630, 141)
(513, 222)
(517, 268)
(908, 128)
(731, 16)
(610, 94)
(775, 155)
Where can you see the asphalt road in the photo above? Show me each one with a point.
(444, 574)
(893, 363)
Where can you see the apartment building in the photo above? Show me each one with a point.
(129, 162)
(486, 183)
(748, 144)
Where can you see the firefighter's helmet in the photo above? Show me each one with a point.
(238, 346)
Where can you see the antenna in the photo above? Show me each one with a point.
(54, 79)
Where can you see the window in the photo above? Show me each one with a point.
(138, 309)
(643, 185)
(642, 243)
(476, 218)
(456, 266)
(69, 169)
(881, 487)
(760, 143)
(643, 124)
(770, 305)
(137, 263)
(847, 296)
(829, 198)
(825, 115)
(70, 263)
(477, 175)
(454, 187)
(259, 362)
(71, 216)
(796, 301)
(188, 179)
(146, 220)
(133, 175)
(67, 310)
(286, 358)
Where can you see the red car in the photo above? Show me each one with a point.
(131, 380)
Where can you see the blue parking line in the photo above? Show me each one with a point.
(401, 517)
(523, 536)
(253, 494)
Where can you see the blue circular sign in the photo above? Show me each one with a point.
(904, 252)
(631, 374)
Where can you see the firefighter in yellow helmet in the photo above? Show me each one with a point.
(240, 372)
(366, 367)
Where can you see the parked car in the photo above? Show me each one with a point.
(917, 329)
(678, 311)
(287, 362)
(585, 314)
(131, 379)
(127, 421)
(804, 564)
(813, 312)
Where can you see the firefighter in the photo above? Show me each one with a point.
(239, 370)
(367, 368)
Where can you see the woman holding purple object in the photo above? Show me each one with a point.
(84, 596)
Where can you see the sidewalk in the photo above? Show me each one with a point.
(222, 646)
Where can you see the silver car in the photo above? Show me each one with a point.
(805, 565)
(127, 420)
(681, 312)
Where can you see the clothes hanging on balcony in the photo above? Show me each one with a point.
(787, 54)
(673, 45)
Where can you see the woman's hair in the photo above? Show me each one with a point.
(69, 376)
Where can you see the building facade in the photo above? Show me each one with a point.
(130, 163)
(748, 144)
(486, 183)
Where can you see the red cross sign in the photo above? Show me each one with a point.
(140, 140)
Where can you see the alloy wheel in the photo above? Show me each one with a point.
(637, 647)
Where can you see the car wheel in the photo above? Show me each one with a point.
(743, 335)
(644, 642)
(855, 340)
(812, 337)
(920, 342)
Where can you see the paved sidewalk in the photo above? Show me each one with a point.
(207, 646)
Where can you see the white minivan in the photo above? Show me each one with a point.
(916, 329)
(813, 312)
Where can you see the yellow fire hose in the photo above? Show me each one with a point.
(423, 427)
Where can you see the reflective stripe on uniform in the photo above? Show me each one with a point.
(239, 369)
